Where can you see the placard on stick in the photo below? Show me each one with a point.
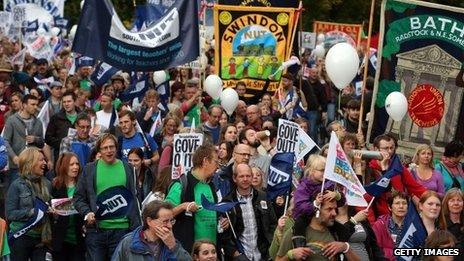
(287, 137)
(184, 146)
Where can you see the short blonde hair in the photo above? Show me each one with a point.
(27, 159)
(419, 149)
(314, 162)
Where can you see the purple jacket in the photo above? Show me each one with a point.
(306, 193)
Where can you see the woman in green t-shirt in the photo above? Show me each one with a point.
(67, 240)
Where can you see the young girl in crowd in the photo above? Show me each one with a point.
(307, 195)
(67, 242)
(429, 207)
(144, 177)
(204, 250)
(423, 171)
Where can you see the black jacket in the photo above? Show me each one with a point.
(57, 129)
(265, 220)
(60, 225)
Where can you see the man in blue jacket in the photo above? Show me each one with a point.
(154, 234)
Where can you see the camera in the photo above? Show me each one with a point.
(368, 154)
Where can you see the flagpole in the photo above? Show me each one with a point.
(366, 65)
(231, 227)
(322, 191)
(370, 203)
(286, 203)
(135, 191)
(300, 42)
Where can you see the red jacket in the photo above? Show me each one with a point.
(383, 236)
(404, 183)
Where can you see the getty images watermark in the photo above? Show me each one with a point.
(405, 252)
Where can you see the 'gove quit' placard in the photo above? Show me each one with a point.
(288, 136)
(185, 145)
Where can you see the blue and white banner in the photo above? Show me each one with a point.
(280, 175)
(40, 209)
(137, 88)
(413, 234)
(113, 203)
(61, 23)
(222, 207)
(377, 187)
(170, 41)
(103, 73)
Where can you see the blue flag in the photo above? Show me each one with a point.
(145, 15)
(137, 88)
(82, 150)
(377, 187)
(164, 92)
(61, 23)
(170, 41)
(84, 61)
(414, 232)
(103, 73)
(40, 210)
(280, 175)
(222, 207)
(32, 26)
(114, 202)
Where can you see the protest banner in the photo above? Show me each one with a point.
(288, 137)
(63, 206)
(308, 40)
(114, 202)
(54, 7)
(338, 169)
(184, 146)
(19, 15)
(421, 55)
(338, 30)
(266, 3)
(251, 44)
(5, 22)
(170, 41)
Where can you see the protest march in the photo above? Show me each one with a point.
(240, 130)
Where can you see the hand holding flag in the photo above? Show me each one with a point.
(379, 186)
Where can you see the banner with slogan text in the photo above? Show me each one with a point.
(170, 41)
(253, 43)
(265, 3)
(421, 54)
(339, 32)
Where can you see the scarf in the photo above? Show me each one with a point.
(453, 167)
(40, 190)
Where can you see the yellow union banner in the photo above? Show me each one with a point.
(253, 43)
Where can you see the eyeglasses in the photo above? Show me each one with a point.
(243, 154)
(168, 221)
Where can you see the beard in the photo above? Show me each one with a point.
(255, 144)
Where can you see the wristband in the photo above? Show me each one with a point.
(347, 248)
(290, 254)
(353, 220)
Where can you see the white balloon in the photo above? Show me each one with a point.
(213, 86)
(319, 51)
(320, 38)
(342, 64)
(159, 77)
(229, 100)
(41, 31)
(55, 31)
(72, 32)
(396, 105)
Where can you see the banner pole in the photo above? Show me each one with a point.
(286, 203)
(300, 43)
(370, 203)
(366, 65)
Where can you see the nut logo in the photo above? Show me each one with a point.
(225, 18)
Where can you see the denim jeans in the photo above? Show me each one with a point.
(313, 117)
(101, 243)
(27, 248)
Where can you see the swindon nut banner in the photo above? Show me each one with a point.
(253, 44)
(338, 31)
(422, 54)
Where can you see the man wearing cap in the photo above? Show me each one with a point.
(54, 102)
(61, 122)
(192, 106)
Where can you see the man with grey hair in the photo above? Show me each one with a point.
(211, 128)
(154, 240)
(254, 117)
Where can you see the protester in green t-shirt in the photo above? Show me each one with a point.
(194, 222)
(103, 197)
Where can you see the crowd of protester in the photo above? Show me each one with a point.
(94, 142)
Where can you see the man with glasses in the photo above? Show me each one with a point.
(404, 182)
(193, 222)
(223, 178)
(81, 143)
(154, 240)
(103, 197)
